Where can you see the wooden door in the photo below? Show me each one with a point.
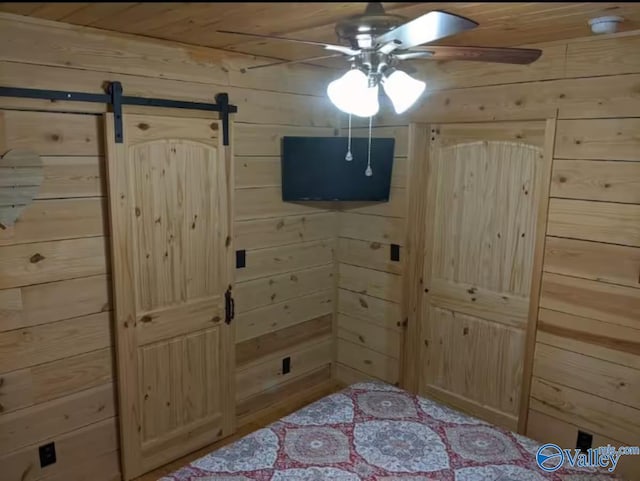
(485, 186)
(170, 215)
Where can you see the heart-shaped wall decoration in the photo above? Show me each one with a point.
(21, 176)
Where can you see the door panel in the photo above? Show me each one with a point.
(476, 359)
(179, 383)
(481, 211)
(176, 224)
(172, 256)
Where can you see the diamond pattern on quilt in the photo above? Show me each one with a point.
(482, 443)
(400, 446)
(389, 405)
(376, 432)
(334, 409)
(316, 445)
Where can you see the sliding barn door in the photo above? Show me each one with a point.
(171, 255)
(484, 189)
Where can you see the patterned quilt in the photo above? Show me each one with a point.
(377, 432)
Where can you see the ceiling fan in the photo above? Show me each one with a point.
(376, 42)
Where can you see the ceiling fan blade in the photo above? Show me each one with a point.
(326, 46)
(427, 28)
(289, 62)
(521, 56)
(413, 55)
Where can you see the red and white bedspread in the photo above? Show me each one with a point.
(377, 432)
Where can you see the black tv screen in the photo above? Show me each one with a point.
(314, 168)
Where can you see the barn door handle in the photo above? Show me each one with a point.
(229, 306)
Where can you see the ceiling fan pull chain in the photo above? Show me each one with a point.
(349, 157)
(369, 171)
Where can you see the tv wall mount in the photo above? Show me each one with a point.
(114, 97)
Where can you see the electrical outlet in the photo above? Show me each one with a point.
(47, 454)
(395, 252)
(584, 441)
(241, 259)
(286, 365)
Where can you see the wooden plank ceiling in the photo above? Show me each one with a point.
(501, 24)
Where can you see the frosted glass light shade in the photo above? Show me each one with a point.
(351, 94)
(402, 89)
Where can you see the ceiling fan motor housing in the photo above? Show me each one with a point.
(360, 30)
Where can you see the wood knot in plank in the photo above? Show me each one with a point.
(143, 126)
(35, 258)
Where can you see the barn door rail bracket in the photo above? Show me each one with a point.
(114, 97)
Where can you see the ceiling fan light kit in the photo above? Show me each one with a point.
(402, 89)
(379, 41)
(375, 43)
(353, 94)
(356, 92)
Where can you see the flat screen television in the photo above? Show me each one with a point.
(315, 169)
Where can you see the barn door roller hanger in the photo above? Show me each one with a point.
(114, 97)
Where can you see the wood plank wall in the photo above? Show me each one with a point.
(56, 342)
(55, 354)
(369, 334)
(586, 370)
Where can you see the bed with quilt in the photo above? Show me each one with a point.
(377, 432)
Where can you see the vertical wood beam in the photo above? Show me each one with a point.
(543, 188)
(413, 258)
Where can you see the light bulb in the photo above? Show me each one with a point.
(341, 91)
(402, 89)
(351, 94)
(365, 103)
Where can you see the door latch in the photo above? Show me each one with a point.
(229, 306)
